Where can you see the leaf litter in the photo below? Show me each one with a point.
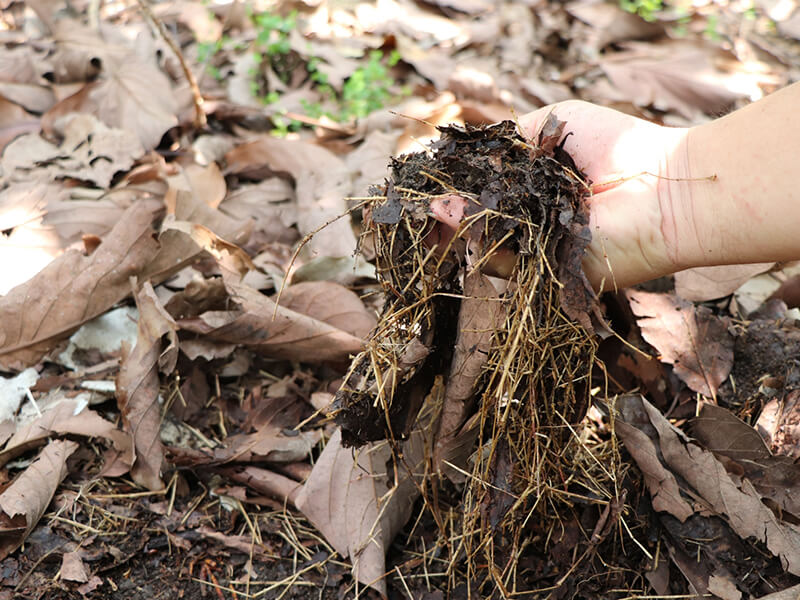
(207, 458)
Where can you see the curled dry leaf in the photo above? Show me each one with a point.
(322, 182)
(661, 483)
(779, 423)
(331, 303)
(23, 502)
(479, 316)
(690, 338)
(138, 383)
(72, 567)
(74, 289)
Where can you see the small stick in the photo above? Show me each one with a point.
(200, 120)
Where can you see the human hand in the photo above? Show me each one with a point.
(633, 166)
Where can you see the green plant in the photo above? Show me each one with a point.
(369, 87)
(206, 51)
(646, 9)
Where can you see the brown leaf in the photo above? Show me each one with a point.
(138, 383)
(779, 423)
(609, 24)
(322, 182)
(74, 289)
(72, 568)
(480, 315)
(709, 283)
(23, 502)
(279, 333)
(130, 94)
(661, 484)
(330, 303)
(271, 443)
(739, 503)
(62, 419)
(690, 338)
(679, 76)
(90, 151)
(357, 505)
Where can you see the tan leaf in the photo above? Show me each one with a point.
(130, 94)
(271, 203)
(709, 283)
(23, 502)
(661, 483)
(138, 383)
(480, 315)
(72, 568)
(270, 443)
(779, 424)
(679, 76)
(63, 419)
(609, 24)
(690, 338)
(90, 151)
(357, 505)
(741, 505)
(322, 182)
(287, 336)
(331, 303)
(74, 289)
(207, 183)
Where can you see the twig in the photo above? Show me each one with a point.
(200, 120)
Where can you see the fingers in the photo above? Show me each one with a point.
(448, 209)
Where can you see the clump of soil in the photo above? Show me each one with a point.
(527, 464)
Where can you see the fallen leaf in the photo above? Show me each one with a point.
(275, 332)
(130, 94)
(322, 181)
(342, 269)
(138, 385)
(779, 424)
(357, 505)
(103, 335)
(661, 483)
(74, 289)
(330, 303)
(610, 24)
(23, 502)
(792, 593)
(709, 283)
(479, 316)
(690, 338)
(90, 151)
(270, 443)
(740, 504)
(680, 76)
(72, 568)
(67, 417)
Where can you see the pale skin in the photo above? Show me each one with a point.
(667, 199)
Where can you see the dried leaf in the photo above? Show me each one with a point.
(90, 151)
(480, 315)
(73, 289)
(661, 484)
(23, 503)
(679, 76)
(64, 418)
(690, 338)
(779, 424)
(72, 568)
(357, 505)
(740, 504)
(278, 333)
(322, 182)
(709, 283)
(330, 303)
(138, 383)
(131, 94)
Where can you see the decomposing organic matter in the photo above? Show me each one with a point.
(517, 380)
